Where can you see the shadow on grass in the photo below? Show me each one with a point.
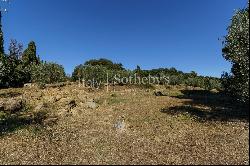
(209, 106)
(12, 122)
(10, 94)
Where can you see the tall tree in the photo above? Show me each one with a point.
(1, 36)
(29, 56)
(236, 51)
(15, 49)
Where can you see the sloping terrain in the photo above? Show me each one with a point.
(75, 125)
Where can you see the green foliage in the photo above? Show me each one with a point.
(98, 70)
(98, 75)
(95, 72)
(1, 40)
(236, 51)
(3, 71)
(104, 63)
(47, 73)
(11, 72)
(29, 56)
(77, 73)
(19, 68)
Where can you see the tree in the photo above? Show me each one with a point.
(3, 71)
(1, 37)
(77, 73)
(236, 51)
(29, 56)
(12, 73)
(47, 73)
(105, 63)
(15, 50)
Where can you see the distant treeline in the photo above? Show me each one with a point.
(19, 67)
(100, 69)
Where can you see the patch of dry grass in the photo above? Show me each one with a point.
(88, 136)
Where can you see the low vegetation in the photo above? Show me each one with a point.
(127, 125)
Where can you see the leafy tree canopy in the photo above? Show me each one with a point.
(105, 63)
(236, 51)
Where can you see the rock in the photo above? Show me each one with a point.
(58, 98)
(214, 91)
(28, 85)
(41, 107)
(72, 104)
(13, 105)
(91, 104)
(38, 107)
(120, 125)
(50, 121)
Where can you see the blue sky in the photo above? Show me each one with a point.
(150, 33)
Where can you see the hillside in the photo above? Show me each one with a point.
(68, 124)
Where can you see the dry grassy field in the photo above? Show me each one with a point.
(127, 125)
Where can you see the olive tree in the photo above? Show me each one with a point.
(236, 51)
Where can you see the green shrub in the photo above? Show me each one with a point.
(11, 72)
(47, 73)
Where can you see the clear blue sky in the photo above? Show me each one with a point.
(150, 33)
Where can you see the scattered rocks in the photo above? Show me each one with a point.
(12, 105)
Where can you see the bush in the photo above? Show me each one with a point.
(176, 80)
(95, 75)
(11, 72)
(47, 73)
